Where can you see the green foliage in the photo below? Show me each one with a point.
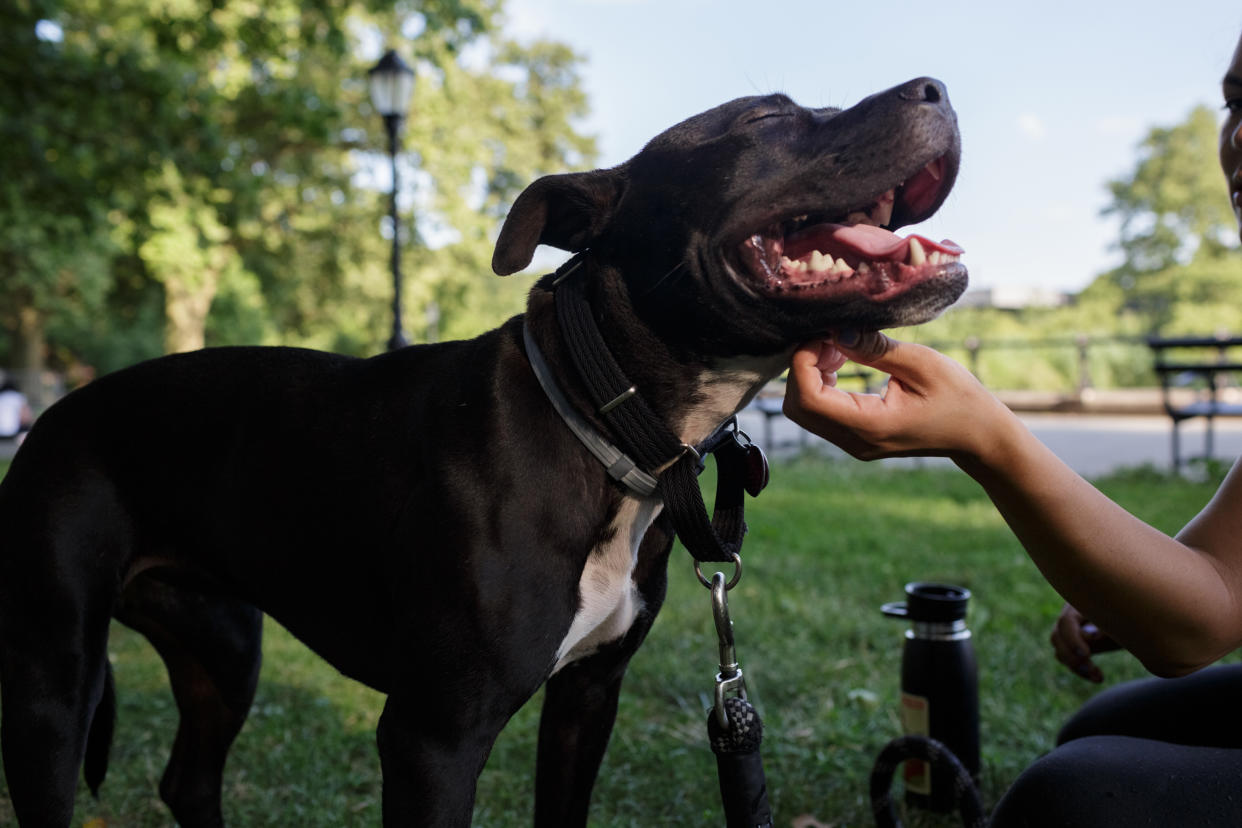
(1040, 348)
(1173, 206)
(830, 541)
(1181, 275)
(208, 171)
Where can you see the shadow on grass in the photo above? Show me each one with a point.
(306, 755)
(295, 763)
(829, 542)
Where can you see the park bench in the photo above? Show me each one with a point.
(1204, 377)
(770, 402)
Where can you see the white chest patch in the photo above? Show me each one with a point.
(608, 598)
(724, 389)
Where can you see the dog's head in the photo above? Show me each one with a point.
(783, 215)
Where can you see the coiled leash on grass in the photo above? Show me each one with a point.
(965, 794)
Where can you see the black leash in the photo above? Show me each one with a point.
(935, 753)
(643, 435)
(647, 445)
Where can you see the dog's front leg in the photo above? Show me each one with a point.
(580, 704)
(430, 762)
(579, 708)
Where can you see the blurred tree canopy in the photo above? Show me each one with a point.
(1181, 272)
(1179, 236)
(196, 172)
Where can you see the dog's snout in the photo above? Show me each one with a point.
(923, 90)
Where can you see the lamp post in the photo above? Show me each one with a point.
(392, 82)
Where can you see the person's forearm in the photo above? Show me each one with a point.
(1164, 601)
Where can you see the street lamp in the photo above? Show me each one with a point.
(391, 83)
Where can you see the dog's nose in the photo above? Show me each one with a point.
(923, 90)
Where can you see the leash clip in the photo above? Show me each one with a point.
(729, 681)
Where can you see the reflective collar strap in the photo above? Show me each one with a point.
(618, 464)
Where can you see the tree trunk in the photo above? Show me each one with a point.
(185, 311)
(30, 352)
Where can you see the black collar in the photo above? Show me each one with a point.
(651, 459)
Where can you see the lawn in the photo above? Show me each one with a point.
(829, 542)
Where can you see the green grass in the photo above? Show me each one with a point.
(829, 542)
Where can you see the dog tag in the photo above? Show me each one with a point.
(756, 470)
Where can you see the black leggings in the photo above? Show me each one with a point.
(1158, 752)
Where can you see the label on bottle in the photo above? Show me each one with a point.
(916, 721)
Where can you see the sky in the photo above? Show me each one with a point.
(1052, 98)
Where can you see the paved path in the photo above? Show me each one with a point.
(1092, 444)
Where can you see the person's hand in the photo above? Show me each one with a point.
(1075, 640)
(932, 406)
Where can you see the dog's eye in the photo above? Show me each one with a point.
(763, 116)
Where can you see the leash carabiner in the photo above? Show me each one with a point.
(729, 681)
(733, 724)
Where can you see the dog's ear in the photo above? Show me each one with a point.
(567, 211)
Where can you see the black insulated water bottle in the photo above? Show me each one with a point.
(939, 687)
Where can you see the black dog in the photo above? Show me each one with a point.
(424, 519)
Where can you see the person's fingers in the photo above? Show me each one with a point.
(1097, 640)
(830, 359)
(810, 393)
(913, 366)
(1081, 666)
(862, 347)
(806, 358)
(1072, 648)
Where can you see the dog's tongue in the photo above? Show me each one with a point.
(863, 240)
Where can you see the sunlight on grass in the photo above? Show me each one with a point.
(829, 542)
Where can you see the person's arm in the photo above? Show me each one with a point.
(1174, 603)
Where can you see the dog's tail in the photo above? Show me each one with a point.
(99, 739)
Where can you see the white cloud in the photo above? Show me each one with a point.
(1030, 125)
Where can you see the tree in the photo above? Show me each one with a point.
(70, 151)
(192, 173)
(1181, 274)
(1178, 231)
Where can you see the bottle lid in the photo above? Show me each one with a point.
(932, 603)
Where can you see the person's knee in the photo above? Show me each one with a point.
(1084, 783)
(1037, 789)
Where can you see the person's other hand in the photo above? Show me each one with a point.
(1075, 639)
(932, 406)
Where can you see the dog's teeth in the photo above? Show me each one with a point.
(842, 269)
(917, 256)
(933, 170)
(858, 217)
(820, 261)
(882, 212)
(864, 269)
(936, 257)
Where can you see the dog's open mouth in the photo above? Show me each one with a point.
(854, 252)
